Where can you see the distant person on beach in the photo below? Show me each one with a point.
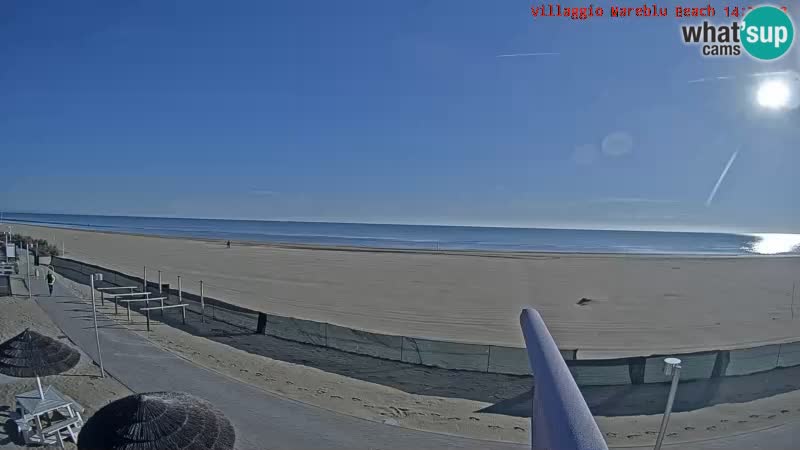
(51, 280)
(229, 244)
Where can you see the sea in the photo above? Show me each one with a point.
(432, 237)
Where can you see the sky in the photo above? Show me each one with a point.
(401, 112)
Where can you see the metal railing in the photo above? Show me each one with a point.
(560, 418)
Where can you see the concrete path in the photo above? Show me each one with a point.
(262, 420)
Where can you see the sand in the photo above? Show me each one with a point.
(638, 304)
(82, 383)
(381, 402)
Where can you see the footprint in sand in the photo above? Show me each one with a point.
(453, 418)
(301, 389)
(784, 411)
(495, 427)
(612, 435)
(672, 434)
(650, 432)
(723, 421)
(711, 428)
(741, 421)
(289, 382)
(335, 396)
(631, 436)
(356, 399)
(519, 428)
(244, 370)
(754, 416)
(474, 418)
(436, 415)
(771, 416)
(259, 374)
(689, 428)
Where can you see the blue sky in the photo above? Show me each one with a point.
(395, 112)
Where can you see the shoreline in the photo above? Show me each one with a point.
(377, 249)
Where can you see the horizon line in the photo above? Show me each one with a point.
(643, 228)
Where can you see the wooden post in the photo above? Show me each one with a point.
(202, 304)
(116, 301)
(180, 291)
(148, 320)
(183, 310)
(261, 327)
(144, 279)
(129, 312)
(103, 298)
(162, 306)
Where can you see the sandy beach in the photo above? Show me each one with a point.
(82, 383)
(656, 304)
(445, 406)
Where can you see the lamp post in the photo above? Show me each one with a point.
(672, 366)
(92, 278)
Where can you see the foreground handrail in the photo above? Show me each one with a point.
(560, 417)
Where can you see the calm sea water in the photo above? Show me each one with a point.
(430, 237)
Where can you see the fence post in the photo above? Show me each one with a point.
(180, 291)
(148, 320)
(160, 287)
(261, 326)
(144, 280)
(202, 304)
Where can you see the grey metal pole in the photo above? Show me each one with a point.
(673, 366)
(63, 251)
(180, 291)
(28, 265)
(96, 332)
(202, 304)
(159, 284)
(144, 280)
(5, 249)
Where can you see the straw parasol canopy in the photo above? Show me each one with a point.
(157, 421)
(30, 354)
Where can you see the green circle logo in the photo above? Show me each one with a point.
(767, 33)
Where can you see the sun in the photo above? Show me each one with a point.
(774, 94)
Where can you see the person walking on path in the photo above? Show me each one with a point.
(51, 280)
(229, 244)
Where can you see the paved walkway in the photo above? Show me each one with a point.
(262, 420)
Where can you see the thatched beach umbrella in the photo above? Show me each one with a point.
(30, 354)
(157, 421)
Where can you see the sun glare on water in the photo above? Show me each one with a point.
(773, 244)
